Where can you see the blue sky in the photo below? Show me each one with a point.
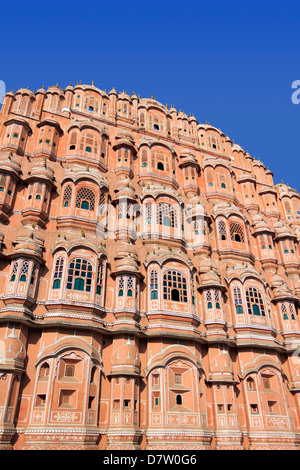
(229, 63)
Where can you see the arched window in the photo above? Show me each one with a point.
(121, 287)
(236, 232)
(250, 384)
(154, 284)
(14, 271)
(175, 286)
(58, 272)
(80, 275)
(178, 399)
(160, 166)
(130, 287)
(148, 213)
(73, 141)
(24, 271)
(238, 300)
(213, 142)
(255, 304)
(67, 197)
(85, 199)
(222, 230)
(44, 371)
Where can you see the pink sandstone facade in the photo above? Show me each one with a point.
(149, 280)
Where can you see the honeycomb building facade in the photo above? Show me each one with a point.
(149, 280)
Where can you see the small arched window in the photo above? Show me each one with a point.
(222, 230)
(121, 287)
(67, 196)
(24, 271)
(58, 272)
(178, 399)
(238, 300)
(154, 284)
(160, 166)
(99, 279)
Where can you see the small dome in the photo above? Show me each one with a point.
(12, 351)
(29, 242)
(126, 360)
(127, 264)
(210, 277)
(8, 162)
(41, 170)
(125, 250)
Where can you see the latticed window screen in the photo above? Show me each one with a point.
(292, 310)
(236, 232)
(166, 215)
(193, 290)
(58, 272)
(80, 275)
(255, 303)
(284, 311)
(217, 298)
(212, 299)
(209, 300)
(101, 203)
(85, 199)
(222, 230)
(148, 212)
(67, 196)
(33, 273)
(174, 286)
(130, 286)
(24, 271)
(14, 271)
(99, 279)
(121, 287)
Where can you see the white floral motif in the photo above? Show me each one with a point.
(65, 416)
